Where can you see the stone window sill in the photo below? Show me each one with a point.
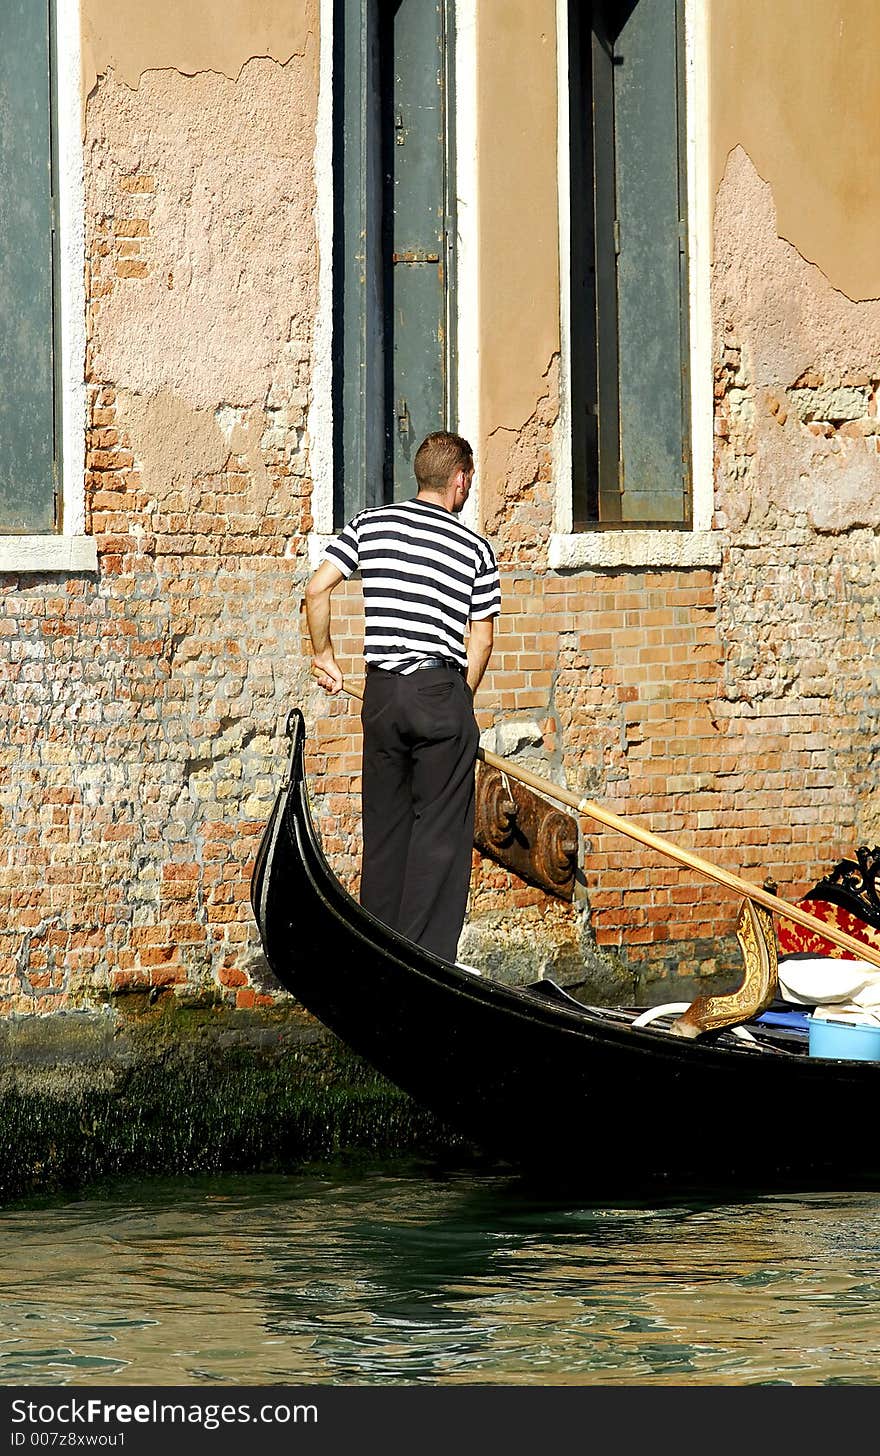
(20, 554)
(586, 549)
(315, 543)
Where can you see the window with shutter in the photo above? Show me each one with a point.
(393, 242)
(29, 432)
(628, 276)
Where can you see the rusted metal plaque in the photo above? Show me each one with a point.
(525, 834)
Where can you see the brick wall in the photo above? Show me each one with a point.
(635, 702)
(133, 805)
(732, 711)
(140, 743)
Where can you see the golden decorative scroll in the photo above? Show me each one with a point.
(755, 933)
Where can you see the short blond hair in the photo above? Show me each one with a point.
(438, 457)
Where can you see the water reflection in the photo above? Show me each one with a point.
(422, 1276)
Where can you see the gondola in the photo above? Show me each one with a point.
(571, 1093)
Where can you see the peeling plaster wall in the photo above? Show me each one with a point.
(795, 85)
(798, 408)
(518, 250)
(148, 701)
(797, 375)
(520, 467)
(131, 38)
(210, 267)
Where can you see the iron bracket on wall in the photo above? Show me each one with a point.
(521, 831)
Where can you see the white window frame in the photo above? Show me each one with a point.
(320, 413)
(70, 550)
(320, 419)
(699, 546)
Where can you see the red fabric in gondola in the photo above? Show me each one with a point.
(797, 940)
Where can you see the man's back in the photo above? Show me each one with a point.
(425, 575)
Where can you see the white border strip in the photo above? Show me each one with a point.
(696, 26)
(48, 553)
(467, 242)
(71, 226)
(634, 548)
(562, 501)
(320, 414)
(72, 550)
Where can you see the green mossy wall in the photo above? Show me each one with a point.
(170, 1089)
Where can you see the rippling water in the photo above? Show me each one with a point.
(417, 1276)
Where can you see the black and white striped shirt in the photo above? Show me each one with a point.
(425, 575)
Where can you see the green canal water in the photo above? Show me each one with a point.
(419, 1275)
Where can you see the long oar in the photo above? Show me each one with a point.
(724, 877)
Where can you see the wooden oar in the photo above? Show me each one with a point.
(724, 877)
(684, 857)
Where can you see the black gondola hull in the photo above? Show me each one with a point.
(548, 1086)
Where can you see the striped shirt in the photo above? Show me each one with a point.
(425, 575)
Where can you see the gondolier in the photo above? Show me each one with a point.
(428, 580)
(522, 1070)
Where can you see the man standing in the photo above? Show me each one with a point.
(426, 577)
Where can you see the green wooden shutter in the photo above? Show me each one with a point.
(27, 392)
(629, 351)
(415, 156)
(651, 298)
(357, 226)
(584, 406)
(606, 234)
(392, 227)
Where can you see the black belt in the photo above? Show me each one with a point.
(419, 666)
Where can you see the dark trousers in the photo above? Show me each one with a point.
(419, 751)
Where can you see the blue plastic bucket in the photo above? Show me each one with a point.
(845, 1040)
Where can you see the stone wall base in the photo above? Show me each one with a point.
(87, 1096)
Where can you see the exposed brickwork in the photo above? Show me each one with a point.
(734, 711)
(516, 481)
(142, 710)
(644, 705)
(137, 775)
(671, 697)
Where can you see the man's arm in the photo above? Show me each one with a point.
(321, 584)
(479, 650)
